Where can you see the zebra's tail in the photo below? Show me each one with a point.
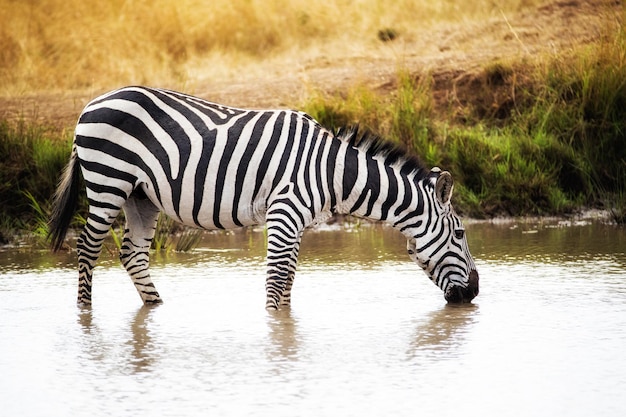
(64, 203)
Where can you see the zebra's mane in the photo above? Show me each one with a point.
(375, 146)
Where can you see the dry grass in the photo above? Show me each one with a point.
(53, 45)
(523, 102)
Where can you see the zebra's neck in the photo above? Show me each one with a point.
(370, 187)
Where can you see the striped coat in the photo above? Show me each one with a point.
(146, 151)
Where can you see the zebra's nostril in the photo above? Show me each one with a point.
(454, 295)
(457, 294)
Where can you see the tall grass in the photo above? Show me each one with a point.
(32, 158)
(77, 44)
(594, 83)
(559, 144)
(40, 222)
(404, 116)
(582, 103)
(498, 170)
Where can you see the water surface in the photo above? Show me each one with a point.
(368, 334)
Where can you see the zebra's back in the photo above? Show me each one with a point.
(201, 163)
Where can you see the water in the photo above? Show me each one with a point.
(368, 334)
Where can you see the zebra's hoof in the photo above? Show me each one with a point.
(82, 303)
(271, 307)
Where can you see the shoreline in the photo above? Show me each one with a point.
(27, 239)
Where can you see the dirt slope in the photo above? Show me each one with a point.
(450, 52)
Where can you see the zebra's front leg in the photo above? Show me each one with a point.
(283, 244)
(141, 218)
(285, 300)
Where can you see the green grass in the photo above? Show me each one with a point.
(33, 157)
(174, 236)
(508, 173)
(554, 142)
(39, 223)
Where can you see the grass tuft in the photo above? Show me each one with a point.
(173, 236)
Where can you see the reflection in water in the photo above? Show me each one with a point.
(283, 336)
(143, 356)
(96, 347)
(93, 344)
(443, 331)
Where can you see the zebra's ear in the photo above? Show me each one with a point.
(443, 187)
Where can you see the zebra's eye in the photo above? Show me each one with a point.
(459, 233)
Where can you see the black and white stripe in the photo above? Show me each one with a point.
(148, 150)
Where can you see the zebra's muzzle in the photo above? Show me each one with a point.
(456, 294)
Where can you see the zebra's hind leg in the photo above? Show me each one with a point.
(141, 219)
(89, 246)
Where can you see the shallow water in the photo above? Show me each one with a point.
(368, 334)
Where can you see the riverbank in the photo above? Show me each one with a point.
(525, 107)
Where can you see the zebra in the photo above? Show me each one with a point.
(148, 150)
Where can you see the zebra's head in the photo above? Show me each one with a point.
(436, 240)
